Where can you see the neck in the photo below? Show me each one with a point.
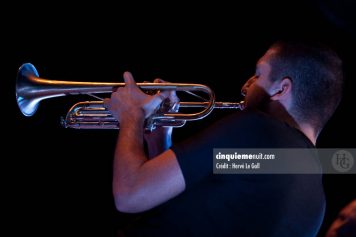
(279, 112)
(309, 131)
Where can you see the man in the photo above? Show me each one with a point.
(295, 90)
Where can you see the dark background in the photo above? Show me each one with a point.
(57, 180)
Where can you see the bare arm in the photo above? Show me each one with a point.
(138, 183)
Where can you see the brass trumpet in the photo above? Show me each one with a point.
(31, 89)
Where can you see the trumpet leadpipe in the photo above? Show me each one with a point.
(217, 105)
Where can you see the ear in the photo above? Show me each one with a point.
(282, 89)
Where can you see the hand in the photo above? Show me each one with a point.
(129, 102)
(171, 102)
(160, 139)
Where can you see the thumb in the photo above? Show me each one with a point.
(129, 80)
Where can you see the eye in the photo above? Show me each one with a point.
(257, 73)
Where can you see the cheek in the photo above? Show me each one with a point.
(256, 96)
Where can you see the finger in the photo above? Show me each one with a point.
(129, 80)
(153, 104)
(164, 94)
(158, 80)
(167, 93)
(158, 99)
(107, 103)
(150, 91)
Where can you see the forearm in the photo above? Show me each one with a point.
(129, 154)
(138, 183)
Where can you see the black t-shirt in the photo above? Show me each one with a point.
(238, 204)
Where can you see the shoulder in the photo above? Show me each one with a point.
(253, 128)
(250, 118)
(253, 120)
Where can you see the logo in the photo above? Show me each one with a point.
(342, 161)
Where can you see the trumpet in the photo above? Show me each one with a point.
(31, 90)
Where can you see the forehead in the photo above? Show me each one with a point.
(263, 64)
(267, 56)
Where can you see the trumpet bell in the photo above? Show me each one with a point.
(27, 104)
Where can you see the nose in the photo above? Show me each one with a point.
(247, 85)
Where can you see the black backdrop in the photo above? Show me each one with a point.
(59, 180)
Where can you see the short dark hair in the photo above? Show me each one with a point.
(317, 79)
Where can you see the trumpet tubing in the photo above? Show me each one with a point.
(93, 114)
(31, 90)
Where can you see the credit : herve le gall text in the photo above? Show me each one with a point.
(242, 165)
